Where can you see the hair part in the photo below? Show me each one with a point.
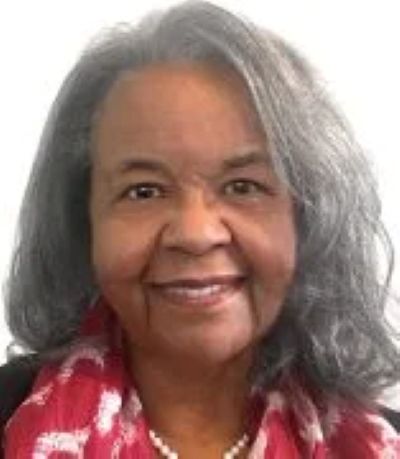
(332, 325)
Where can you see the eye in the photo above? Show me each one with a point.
(243, 187)
(144, 191)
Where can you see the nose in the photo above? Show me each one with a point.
(196, 227)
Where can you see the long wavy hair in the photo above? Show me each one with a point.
(332, 325)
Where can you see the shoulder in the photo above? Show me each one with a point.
(345, 426)
(366, 433)
(348, 409)
(16, 380)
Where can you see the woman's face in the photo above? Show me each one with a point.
(193, 234)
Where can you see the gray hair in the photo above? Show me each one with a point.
(332, 326)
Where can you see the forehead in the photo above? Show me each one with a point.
(198, 78)
(176, 107)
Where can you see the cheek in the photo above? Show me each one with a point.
(274, 257)
(273, 268)
(267, 239)
(121, 250)
(269, 245)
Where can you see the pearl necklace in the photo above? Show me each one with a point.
(168, 453)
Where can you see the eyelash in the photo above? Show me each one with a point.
(145, 186)
(255, 187)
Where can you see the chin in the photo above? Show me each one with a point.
(208, 347)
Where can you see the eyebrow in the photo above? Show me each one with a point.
(147, 164)
(237, 162)
(246, 159)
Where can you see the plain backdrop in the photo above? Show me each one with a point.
(353, 43)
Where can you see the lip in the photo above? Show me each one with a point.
(198, 292)
(201, 281)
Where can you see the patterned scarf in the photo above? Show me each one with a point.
(87, 407)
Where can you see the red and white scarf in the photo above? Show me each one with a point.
(86, 407)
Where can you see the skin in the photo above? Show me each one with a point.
(183, 192)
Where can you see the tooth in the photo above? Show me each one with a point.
(195, 292)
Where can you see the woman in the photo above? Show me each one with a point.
(196, 269)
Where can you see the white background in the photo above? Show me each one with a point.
(355, 44)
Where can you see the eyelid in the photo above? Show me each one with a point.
(260, 186)
(147, 184)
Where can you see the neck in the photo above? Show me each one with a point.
(193, 406)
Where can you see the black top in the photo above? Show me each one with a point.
(17, 376)
(16, 379)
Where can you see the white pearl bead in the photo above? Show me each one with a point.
(165, 449)
(158, 442)
(168, 453)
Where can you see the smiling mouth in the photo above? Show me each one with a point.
(199, 292)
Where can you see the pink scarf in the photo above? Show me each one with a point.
(86, 407)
